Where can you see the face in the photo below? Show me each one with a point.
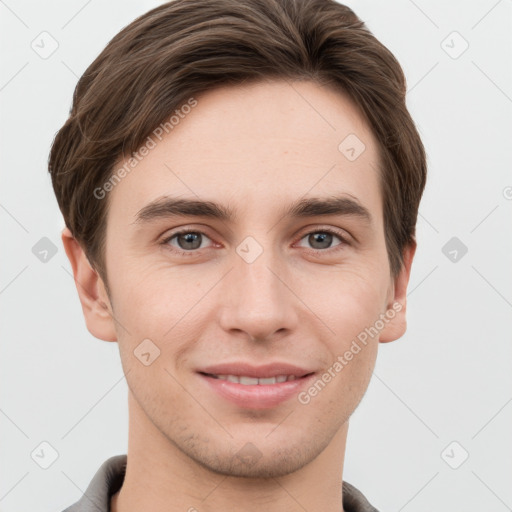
(258, 288)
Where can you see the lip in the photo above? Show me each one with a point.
(264, 371)
(259, 396)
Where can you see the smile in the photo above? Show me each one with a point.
(253, 381)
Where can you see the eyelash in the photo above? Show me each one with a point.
(194, 252)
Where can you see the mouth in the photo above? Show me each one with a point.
(246, 380)
(255, 388)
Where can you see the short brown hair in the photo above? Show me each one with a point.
(186, 47)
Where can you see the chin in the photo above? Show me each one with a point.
(253, 460)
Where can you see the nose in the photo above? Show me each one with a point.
(257, 299)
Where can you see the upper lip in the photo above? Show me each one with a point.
(263, 371)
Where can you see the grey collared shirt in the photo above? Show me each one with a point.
(109, 479)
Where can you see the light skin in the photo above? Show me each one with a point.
(255, 149)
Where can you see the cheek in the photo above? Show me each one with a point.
(155, 296)
(337, 391)
(351, 301)
(160, 311)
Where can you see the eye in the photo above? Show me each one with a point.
(321, 240)
(187, 241)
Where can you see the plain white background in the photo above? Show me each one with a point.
(447, 380)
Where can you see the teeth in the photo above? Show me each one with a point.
(252, 381)
(248, 381)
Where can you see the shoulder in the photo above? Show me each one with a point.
(355, 501)
(106, 482)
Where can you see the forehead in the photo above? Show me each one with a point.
(258, 145)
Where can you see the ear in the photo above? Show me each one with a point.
(396, 307)
(91, 291)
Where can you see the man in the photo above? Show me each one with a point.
(240, 183)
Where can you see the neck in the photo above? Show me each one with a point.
(162, 478)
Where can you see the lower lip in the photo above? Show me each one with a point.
(257, 396)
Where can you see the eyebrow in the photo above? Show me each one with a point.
(166, 207)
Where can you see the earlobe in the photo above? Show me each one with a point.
(95, 302)
(397, 307)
